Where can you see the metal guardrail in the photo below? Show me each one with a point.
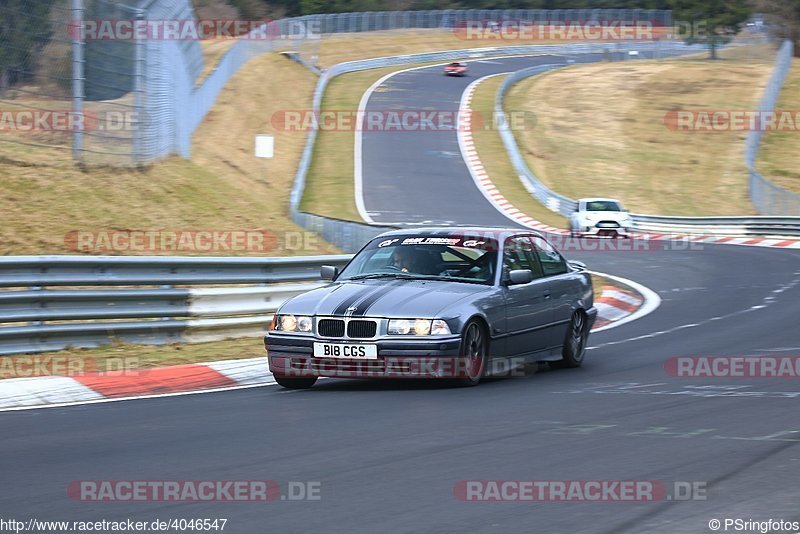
(350, 236)
(733, 225)
(85, 312)
(549, 198)
(725, 226)
(767, 197)
(21, 271)
(450, 18)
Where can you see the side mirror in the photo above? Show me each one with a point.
(520, 276)
(329, 272)
(577, 265)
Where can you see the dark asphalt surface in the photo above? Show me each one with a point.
(388, 454)
(414, 177)
(420, 177)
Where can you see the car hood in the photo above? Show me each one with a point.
(382, 298)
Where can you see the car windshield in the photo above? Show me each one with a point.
(603, 205)
(426, 257)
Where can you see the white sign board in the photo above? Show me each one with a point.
(265, 146)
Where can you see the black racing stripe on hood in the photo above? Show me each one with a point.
(369, 300)
(346, 303)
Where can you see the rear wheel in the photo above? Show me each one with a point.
(474, 351)
(296, 382)
(574, 348)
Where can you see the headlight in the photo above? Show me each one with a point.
(293, 323)
(399, 327)
(417, 327)
(440, 328)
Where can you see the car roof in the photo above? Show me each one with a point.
(459, 230)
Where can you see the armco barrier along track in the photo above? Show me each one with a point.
(106, 307)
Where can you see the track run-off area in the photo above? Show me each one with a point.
(395, 455)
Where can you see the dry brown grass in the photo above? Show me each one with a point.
(600, 131)
(348, 47)
(222, 187)
(779, 158)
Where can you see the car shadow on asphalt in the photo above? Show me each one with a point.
(408, 384)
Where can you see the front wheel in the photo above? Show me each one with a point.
(574, 347)
(474, 351)
(295, 383)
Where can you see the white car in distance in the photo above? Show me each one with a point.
(600, 217)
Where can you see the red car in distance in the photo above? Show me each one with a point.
(457, 68)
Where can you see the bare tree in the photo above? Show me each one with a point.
(782, 18)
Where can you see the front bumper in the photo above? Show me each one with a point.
(293, 356)
(605, 231)
(591, 317)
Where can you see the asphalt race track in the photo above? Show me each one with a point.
(415, 177)
(388, 454)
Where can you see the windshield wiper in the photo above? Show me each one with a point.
(449, 278)
(370, 276)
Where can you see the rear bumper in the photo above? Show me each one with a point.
(431, 358)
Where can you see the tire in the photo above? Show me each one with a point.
(474, 345)
(295, 383)
(574, 348)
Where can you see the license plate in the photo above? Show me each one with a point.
(352, 351)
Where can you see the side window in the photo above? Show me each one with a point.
(552, 262)
(519, 254)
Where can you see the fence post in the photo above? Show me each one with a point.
(138, 94)
(77, 79)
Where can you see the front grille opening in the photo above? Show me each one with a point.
(332, 366)
(361, 329)
(331, 327)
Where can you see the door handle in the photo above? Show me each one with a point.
(546, 295)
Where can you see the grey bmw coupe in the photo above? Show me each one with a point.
(452, 303)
